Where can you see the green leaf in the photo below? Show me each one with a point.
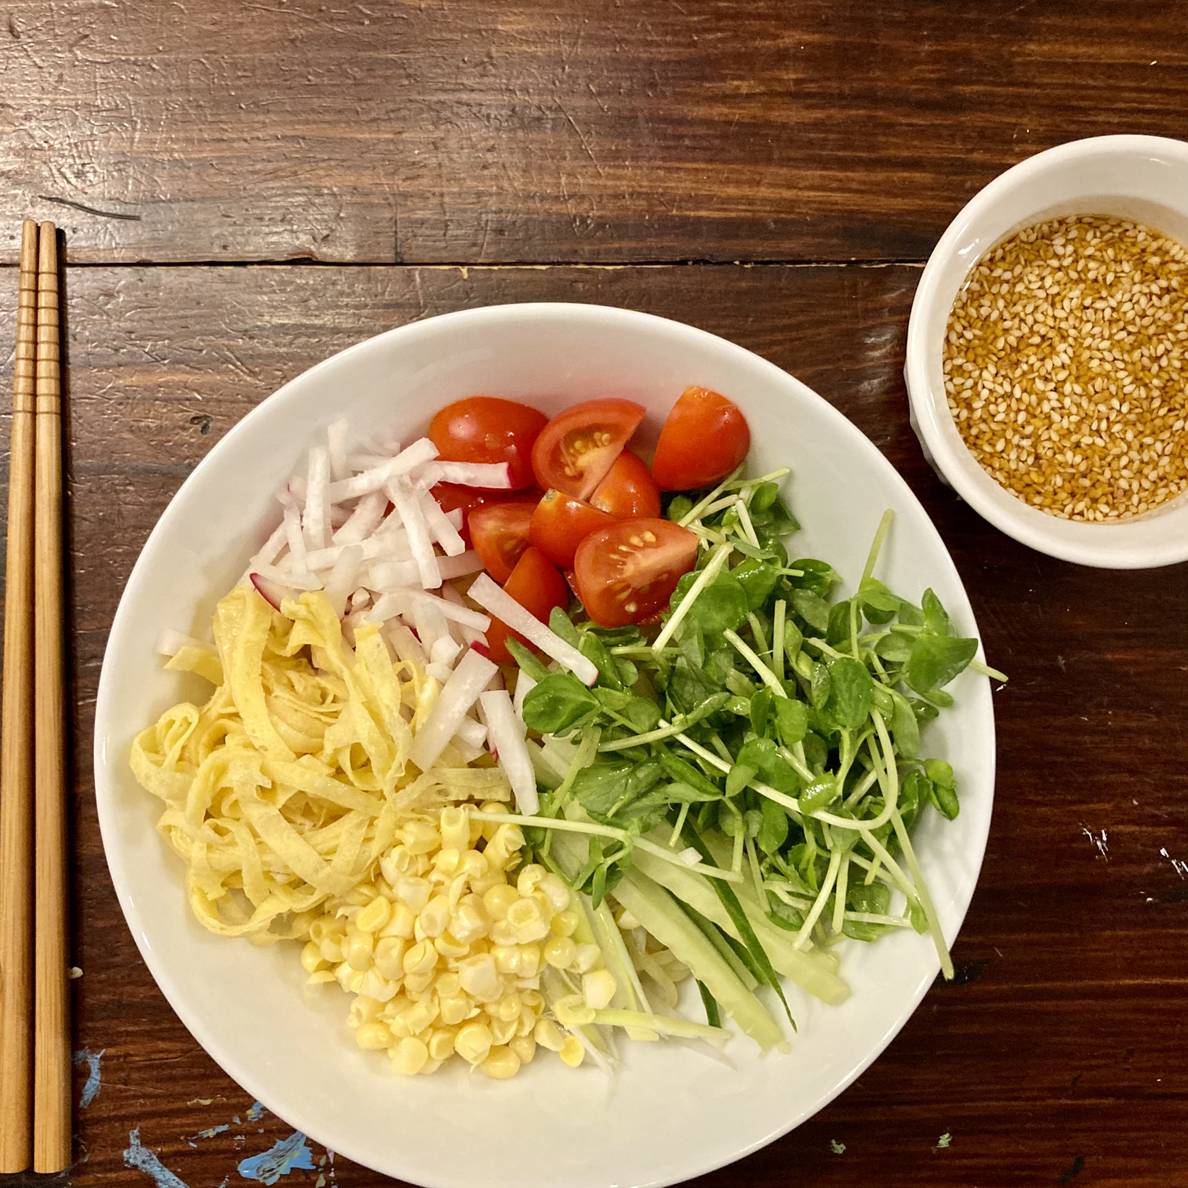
(557, 703)
(526, 659)
(761, 710)
(812, 608)
(596, 652)
(560, 624)
(936, 659)
(819, 685)
(878, 604)
(761, 755)
(687, 774)
(758, 580)
(837, 630)
(793, 639)
(791, 720)
(773, 826)
(936, 620)
(603, 786)
(763, 497)
(819, 577)
(738, 777)
(721, 606)
(679, 506)
(943, 787)
(818, 794)
(851, 690)
(895, 647)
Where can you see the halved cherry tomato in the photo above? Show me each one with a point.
(627, 572)
(452, 496)
(577, 447)
(489, 429)
(703, 440)
(560, 523)
(500, 535)
(537, 587)
(628, 492)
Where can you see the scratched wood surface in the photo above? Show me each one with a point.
(466, 130)
(799, 136)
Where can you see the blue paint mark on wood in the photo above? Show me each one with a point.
(85, 1058)
(286, 1156)
(142, 1159)
(211, 1131)
(255, 1111)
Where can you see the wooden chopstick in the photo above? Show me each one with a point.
(51, 1032)
(16, 739)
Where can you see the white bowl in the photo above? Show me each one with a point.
(1144, 178)
(672, 1112)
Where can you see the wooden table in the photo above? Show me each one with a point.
(249, 186)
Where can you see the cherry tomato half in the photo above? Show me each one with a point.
(560, 523)
(489, 429)
(500, 535)
(577, 447)
(628, 492)
(703, 440)
(627, 572)
(537, 586)
(452, 496)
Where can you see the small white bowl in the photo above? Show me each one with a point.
(1144, 178)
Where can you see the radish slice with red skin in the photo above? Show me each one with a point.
(405, 462)
(457, 695)
(505, 738)
(504, 607)
(273, 594)
(288, 577)
(491, 476)
(315, 519)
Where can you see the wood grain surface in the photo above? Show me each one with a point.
(397, 160)
(1061, 1045)
(513, 130)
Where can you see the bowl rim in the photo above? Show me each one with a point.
(1099, 544)
(167, 978)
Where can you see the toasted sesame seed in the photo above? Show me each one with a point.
(1066, 366)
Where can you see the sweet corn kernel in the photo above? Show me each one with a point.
(529, 879)
(373, 1036)
(415, 985)
(626, 921)
(528, 959)
(421, 1015)
(454, 1008)
(421, 837)
(498, 899)
(559, 952)
(508, 1008)
(374, 916)
(320, 978)
(389, 956)
(376, 986)
(586, 958)
(448, 983)
(548, 1035)
(434, 917)
(473, 1042)
(355, 981)
(528, 921)
(473, 865)
(505, 842)
(572, 1011)
(413, 891)
(441, 1043)
(598, 988)
(503, 1030)
(363, 1009)
(410, 1056)
(526, 1023)
(533, 1000)
(450, 946)
(454, 826)
(358, 949)
(311, 957)
(564, 923)
(446, 864)
(420, 959)
(331, 949)
(469, 921)
(398, 861)
(343, 974)
(479, 977)
(556, 890)
(502, 1064)
(401, 922)
(524, 1046)
(572, 1051)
